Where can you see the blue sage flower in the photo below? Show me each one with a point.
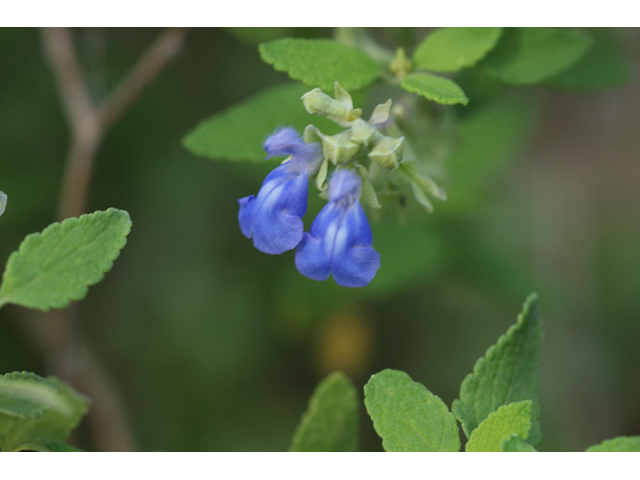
(274, 217)
(340, 238)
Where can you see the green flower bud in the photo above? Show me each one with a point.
(340, 109)
(388, 151)
(400, 65)
(339, 148)
(364, 133)
(316, 102)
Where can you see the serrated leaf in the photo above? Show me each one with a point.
(602, 67)
(527, 56)
(618, 444)
(238, 133)
(508, 373)
(51, 410)
(54, 267)
(508, 420)
(407, 416)
(454, 48)
(330, 423)
(514, 443)
(321, 63)
(438, 89)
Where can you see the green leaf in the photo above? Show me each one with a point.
(438, 89)
(454, 48)
(527, 56)
(508, 420)
(61, 447)
(407, 416)
(508, 373)
(602, 67)
(321, 63)
(238, 133)
(514, 443)
(330, 423)
(618, 444)
(56, 266)
(43, 410)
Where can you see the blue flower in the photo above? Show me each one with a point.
(340, 238)
(274, 217)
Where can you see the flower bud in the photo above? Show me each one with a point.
(316, 102)
(340, 109)
(400, 65)
(388, 151)
(339, 148)
(364, 133)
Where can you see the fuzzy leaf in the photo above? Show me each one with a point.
(514, 443)
(56, 266)
(508, 420)
(321, 63)
(330, 424)
(527, 56)
(238, 133)
(438, 89)
(618, 444)
(454, 48)
(508, 373)
(407, 416)
(602, 67)
(42, 411)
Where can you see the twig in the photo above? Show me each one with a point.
(62, 347)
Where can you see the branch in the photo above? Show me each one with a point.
(142, 74)
(61, 346)
(73, 89)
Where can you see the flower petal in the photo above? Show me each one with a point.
(246, 215)
(315, 252)
(285, 141)
(355, 262)
(277, 223)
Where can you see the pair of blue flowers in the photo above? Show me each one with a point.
(340, 239)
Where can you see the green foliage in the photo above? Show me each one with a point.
(238, 133)
(527, 56)
(438, 89)
(602, 67)
(61, 447)
(36, 411)
(454, 48)
(508, 373)
(407, 416)
(508, 420)
(618, 444)
(516, 444)
(330, 424)
(321, 63)
(56, 266)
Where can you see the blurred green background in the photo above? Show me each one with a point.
(216, 346)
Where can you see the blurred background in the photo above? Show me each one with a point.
(213, 345)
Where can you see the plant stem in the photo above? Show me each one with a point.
(56, 337)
